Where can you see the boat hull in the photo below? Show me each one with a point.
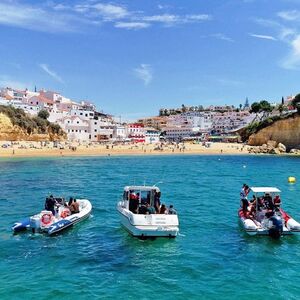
(59, 224)
(148, 226)
(251, 227)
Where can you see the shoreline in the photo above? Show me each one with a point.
(27, 149)
(22, 150)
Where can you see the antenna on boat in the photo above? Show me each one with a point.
(157, 183)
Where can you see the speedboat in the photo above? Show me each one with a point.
(142, 215)
(46, 222)
(264, 215)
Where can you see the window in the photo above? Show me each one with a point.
(81, 114)
(95, 130)
(77, 122)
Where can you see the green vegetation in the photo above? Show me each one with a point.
(296, 103)
(43, 114)
(263, 107)
(38, 124)
(256, 126)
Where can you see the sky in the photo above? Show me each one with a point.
(133, 57)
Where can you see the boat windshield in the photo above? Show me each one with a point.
(138, 197)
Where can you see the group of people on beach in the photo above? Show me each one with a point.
(265, 203)
(143, 206)
(52, 204)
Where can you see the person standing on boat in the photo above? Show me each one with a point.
(244, 201)
(50, 204)
(157, 201)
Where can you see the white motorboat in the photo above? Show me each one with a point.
(264, 216)
(141, 216)
(47, 222)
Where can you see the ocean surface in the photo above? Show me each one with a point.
(212, 258)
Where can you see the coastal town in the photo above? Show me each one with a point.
(83, 122)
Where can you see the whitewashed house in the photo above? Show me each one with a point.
(76, 128)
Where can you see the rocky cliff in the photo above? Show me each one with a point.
(10, 132)
(286, 131)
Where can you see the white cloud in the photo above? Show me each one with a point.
(53, 74)
(221, 36)
(111, 12)
(262, 36)
(132, 25)
(144, 72)
(35, 18)
(200, 17)
(59, 17)
(170, 19)
(289, 15)
(292, 61)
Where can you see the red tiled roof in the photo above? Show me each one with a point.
(45, 99)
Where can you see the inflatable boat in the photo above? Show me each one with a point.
(49, 223)
(264, 216)
(143, 216)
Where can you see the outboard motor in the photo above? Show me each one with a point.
(275, 227)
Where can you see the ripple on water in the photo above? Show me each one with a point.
(212, 258)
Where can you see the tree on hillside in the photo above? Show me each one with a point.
(296, 103)
(43, 114)
(266, 108)
(280, 108)
(241, 105)
(255, 108)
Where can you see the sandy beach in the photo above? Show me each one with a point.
(35, 149)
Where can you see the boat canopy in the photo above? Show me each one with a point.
(265, 190)
(141, 188)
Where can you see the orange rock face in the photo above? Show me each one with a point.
(285, 131)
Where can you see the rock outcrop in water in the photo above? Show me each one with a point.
(286, 132)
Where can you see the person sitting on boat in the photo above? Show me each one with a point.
(268, 202)
(132, 195)
(163, 209)
(50, 204)
(150, 209)
(277, 202)
(74, 208)
(172, 210)
(143, 209)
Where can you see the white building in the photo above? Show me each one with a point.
(152, 136)
(176, 133)
(120, 132)
(202, 120)
(231, 121)
(76, 128)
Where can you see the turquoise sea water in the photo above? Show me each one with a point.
(211, 258)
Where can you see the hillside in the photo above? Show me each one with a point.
(285, 131)
(15, 125)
